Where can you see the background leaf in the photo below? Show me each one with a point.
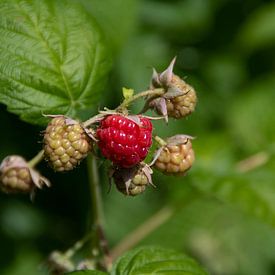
(258, 30)
(151, 260)
(53, 58)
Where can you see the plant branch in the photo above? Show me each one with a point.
(123, 106)
(253, 162)
(36, 159)
(142, 231)
(101, 244)
(128, 101)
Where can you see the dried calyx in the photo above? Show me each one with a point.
(179, 99)
(16, 176)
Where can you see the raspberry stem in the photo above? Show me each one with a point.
(152, 93)
(123, 106)
(93, 119)
(69, 253)
(160, 141)
(100, 243)
(36, 159)
(143, 231)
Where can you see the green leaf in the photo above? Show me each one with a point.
(53, 58)
(154, 260)
(258, 30)
(88, 272)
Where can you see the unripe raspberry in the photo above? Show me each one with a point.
(17, 177)
(132, 181)
(65, 143)
(175, 158)
(179, 98)
(125, 140)
(182, 105)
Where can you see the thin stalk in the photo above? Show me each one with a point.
(77, 246)
(36, 159)
(142, 231)
(153, 93)
(100, 244)
(93, 120)
(95, 190)
(123, 106)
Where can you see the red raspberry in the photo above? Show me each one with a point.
(123, 141)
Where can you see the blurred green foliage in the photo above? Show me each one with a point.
(224, 209)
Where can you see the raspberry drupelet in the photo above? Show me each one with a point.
(124, 141)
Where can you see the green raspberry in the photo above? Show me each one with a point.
(175, 158)
(16, 180)
(65, 145)
(182, 105)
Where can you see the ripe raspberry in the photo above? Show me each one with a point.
(124, 141)
(182, 105)
(65, 144)
(17, 177)
(176, 158)
(132, 181)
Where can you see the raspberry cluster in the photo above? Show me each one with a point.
(122, 138)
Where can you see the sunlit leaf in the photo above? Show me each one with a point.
(53, 58)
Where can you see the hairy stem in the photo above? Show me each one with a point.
(36, 159)
(153, 93)
(100, 242)
(93, 120)
(123, 106)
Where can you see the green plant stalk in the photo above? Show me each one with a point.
(152, 93)
(142, 231)
(100, 244)
(36, 159)
(123, 106)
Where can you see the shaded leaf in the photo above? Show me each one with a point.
(53, 58)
